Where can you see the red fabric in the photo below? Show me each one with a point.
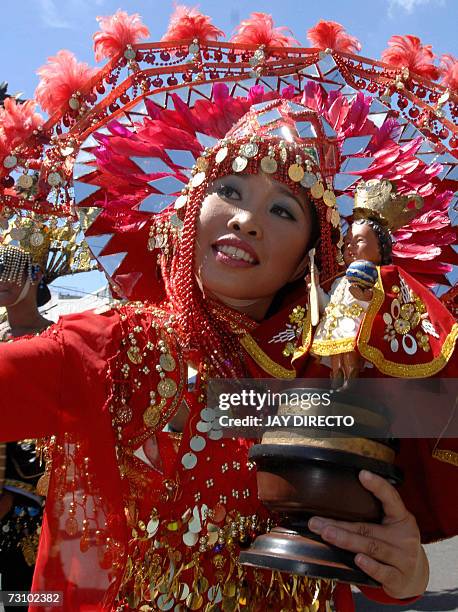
(59, 382)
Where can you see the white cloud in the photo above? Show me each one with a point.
(408, 6)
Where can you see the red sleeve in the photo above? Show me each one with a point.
(49, 382)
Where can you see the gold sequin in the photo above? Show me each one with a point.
(296, 172)
(329, 198)
(167, 387)
(317, 190)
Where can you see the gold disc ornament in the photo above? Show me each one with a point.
(329, 198)
(317, 190)
(167, 387)
(269, 165)
(296, 172)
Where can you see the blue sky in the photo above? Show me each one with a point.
(32, 30)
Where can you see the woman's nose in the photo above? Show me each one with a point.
(245, 223)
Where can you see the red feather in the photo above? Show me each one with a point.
(332, 35)
(408, 51)
(259, 30)
(449, 66)
(188, 23)
(61, 77)
(116, 32)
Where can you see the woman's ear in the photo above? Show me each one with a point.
(301, 269)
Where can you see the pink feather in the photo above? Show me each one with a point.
(332, 35)
(61, 77)
(116, 32)
(259, 30)
(188, 23)
(449, 66)
(18, 121)
(408, 51)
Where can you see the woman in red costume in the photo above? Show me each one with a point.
(148, 505)
(143, 488)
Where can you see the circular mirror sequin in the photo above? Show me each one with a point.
(308, 180)
(193, 48)
(10, 161)
(130, 55)
(203, 427)
(239, 164)
(189, 461)
(208, 414)
(165, 602)
(152, 527)
(197, 443)
(190, 539)
(215, 434)
(36, 239)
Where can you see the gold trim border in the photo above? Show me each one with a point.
(263, 360)
(375, 356)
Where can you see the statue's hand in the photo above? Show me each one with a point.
(391, 553)
(365, 295)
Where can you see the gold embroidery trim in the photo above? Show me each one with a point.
(447, 456)
(306, 338)
(375, 356)
(333, 347)
(263, 360)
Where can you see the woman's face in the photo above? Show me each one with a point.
(361, 242)
(251, 238)
(9, 293)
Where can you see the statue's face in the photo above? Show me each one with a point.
(361, 242)
(252, 236)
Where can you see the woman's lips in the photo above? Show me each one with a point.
(229, 260)
(235, 253)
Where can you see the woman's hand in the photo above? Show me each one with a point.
(391, 553)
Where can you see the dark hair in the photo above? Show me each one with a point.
(383, 237)
(43, 294)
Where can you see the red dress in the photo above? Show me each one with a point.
(137, 517)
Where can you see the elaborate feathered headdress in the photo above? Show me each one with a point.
(120, 147)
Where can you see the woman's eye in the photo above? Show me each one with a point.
(228, 192)
(282, 211)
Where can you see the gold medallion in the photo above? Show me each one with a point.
(202, 164)
(25, 181)
(167, 362)
(269, 165)
(335, 217)
(151, 416)
(134, 355)
(296, 172)
(329, 198)
(317, 190)
(167, 387)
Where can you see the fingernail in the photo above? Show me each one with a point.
(366, 475)
(316, 524)
(361, 560)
